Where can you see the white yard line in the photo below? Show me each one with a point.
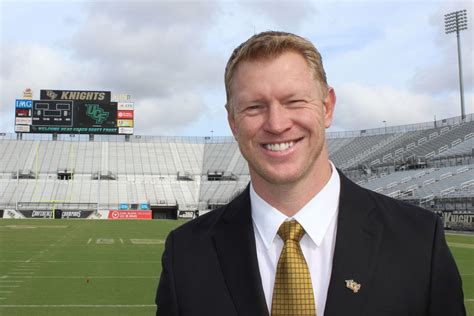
(80, 261)
(93, 306)
(89, 241)
(12, 281)
(30, 264)
(9, 286)
(85, 277)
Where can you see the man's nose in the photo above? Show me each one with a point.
(277, 120)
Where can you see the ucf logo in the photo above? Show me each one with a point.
(95, 112)
(51, 94)
(353, 285)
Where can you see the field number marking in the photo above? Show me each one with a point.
(105, 241)
(134, 241)
(147, 241)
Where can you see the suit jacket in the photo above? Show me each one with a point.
(395, 251)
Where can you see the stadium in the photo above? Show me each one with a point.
(428, 164)
(86, 205)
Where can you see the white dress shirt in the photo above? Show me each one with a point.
(318, 218)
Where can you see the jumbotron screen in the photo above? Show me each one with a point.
(73, 112)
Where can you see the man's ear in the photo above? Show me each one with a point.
(329, 106)
(231, 119)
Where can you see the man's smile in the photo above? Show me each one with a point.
(280, 146)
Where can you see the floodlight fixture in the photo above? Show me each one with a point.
(456, 22)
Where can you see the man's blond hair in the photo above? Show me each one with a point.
(272, 44)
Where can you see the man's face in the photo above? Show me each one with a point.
(278, 115)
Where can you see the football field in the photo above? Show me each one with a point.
(87, 267)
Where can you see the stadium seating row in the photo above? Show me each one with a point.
(195, 173)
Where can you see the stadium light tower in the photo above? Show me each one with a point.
(456, 22)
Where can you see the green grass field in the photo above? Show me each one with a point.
(84, 267)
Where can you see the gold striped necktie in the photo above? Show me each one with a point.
(293, 291)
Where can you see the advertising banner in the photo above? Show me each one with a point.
(129, 214)
(76, 214)
(23, 104)
(23, 121)
(126, 130)
(37, 214)
(458, 220)
(22, 128)
(10, 213)
(125, 114)
(121, 97)
(28, 93)
(125, 123)
(23, 113)
(124, 106)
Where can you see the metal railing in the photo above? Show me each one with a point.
(453, 121)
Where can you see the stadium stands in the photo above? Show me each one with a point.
(417, 162)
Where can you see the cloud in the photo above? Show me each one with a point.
(169, 115)
(170, 56)
(283, 14)
(157, 51)
(361, 106)
(26, 65)
(441, 75)
(150, 48)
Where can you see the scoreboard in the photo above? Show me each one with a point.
(54, 113)
(73, 112)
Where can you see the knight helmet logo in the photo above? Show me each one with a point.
(353, 285)
(95, 112)
(51, 94)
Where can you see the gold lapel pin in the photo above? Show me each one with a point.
(353, 285)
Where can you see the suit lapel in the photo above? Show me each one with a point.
(357, 241)
(234, 240)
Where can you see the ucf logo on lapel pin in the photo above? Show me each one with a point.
(353, 285)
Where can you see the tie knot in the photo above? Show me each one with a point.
(291, 230)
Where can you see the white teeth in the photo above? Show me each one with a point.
(280, 146)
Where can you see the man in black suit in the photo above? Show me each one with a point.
(363, 253)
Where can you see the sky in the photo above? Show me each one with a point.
(387, 60)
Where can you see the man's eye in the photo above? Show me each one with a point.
(296, 102)
(254, 108)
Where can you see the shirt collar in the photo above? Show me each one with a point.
(315, 216)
